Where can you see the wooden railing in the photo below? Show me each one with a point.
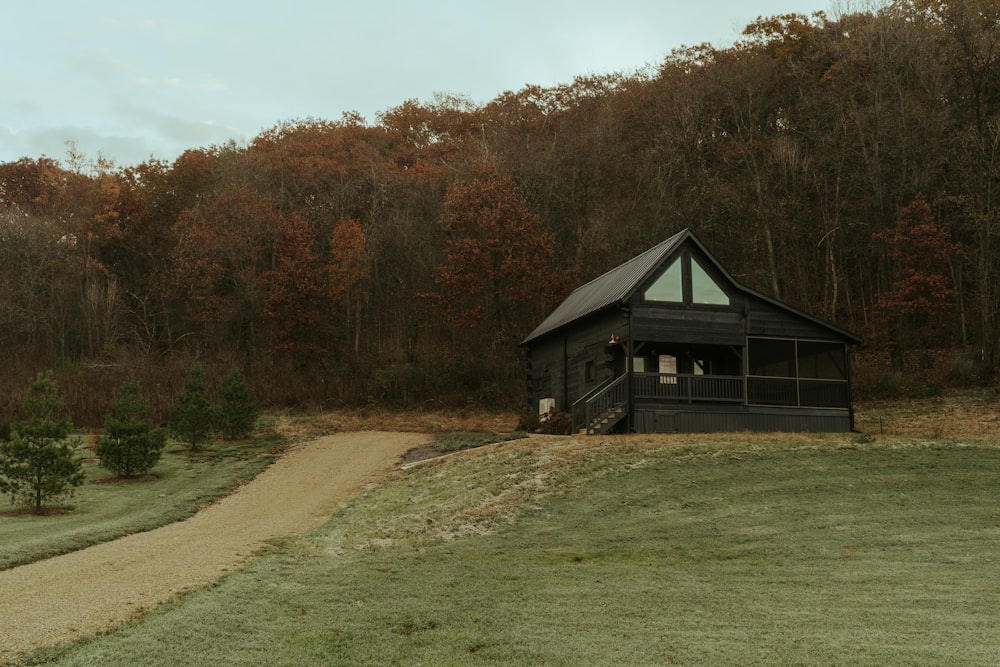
(612, 395)
(688, 388)
(599, 401)
(800, 392)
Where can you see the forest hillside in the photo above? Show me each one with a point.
(848, 166)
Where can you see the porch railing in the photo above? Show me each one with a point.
(798, 392)
(688, 388)
(751, 390)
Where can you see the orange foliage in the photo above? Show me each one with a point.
(223, 248)
(348, 260)
(295, 302)
(919, 250)
(498, 254)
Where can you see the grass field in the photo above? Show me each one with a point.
(627, 550)
(103, 510)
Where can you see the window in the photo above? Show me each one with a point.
(639, 364)
(669, 286)
(686, 281)
(668, 364)
(589, 372)
(704, 289)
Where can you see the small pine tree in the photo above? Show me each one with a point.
(237, 411)
(194, 415)
(130, 445)
(39, 462)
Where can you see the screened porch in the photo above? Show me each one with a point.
(766, 373)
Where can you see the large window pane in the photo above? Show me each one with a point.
(771, 357)
(704, 289)
(668, 287)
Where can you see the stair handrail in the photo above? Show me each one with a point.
(591, 401)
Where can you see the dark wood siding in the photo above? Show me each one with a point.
(681, 324)
(557, 364)
(767, 319)
(545, 371)
(651, 418)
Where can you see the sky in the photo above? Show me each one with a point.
(133, 80)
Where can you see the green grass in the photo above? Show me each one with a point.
(102, 510)
(453, 442)
(568, 552)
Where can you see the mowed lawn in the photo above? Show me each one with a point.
(750, 550)
(104, 508)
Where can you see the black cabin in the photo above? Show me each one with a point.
(669, 342)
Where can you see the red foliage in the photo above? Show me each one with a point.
(224, 247)
(348, 261)
(919, 251)
(295, 302)
(498, 255)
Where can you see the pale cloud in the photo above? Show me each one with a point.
(130, 79)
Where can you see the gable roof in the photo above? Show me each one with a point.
(617, 286)
(613, 287)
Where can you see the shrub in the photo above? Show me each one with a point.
(529, 421)
(39, 462)
(194, 415)
(557, 423)
(130, 446)
(237, 411)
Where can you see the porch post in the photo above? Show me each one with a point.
(630, 419)
(745, 363)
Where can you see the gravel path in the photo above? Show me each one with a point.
(67, 597)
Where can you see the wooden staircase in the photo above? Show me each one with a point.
(605, 421)
(602, 408)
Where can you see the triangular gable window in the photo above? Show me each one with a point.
(686, 281)
(668, 287)
(704, 289)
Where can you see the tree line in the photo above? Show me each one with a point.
(848, 165)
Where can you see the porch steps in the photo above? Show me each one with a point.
(605, 421)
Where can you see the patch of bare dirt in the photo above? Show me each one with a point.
(124, 479)
(418, 454)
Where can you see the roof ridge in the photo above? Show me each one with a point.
(608, 288)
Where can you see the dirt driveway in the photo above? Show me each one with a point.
(67, 597)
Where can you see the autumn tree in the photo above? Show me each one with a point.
(921, 288)
(130, 445)
(33, 287)
(347, 270)
(295, 303)
(224, 248)
(39, 462)
(497, 272)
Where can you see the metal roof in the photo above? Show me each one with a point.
(618, 284)
(605, 290)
